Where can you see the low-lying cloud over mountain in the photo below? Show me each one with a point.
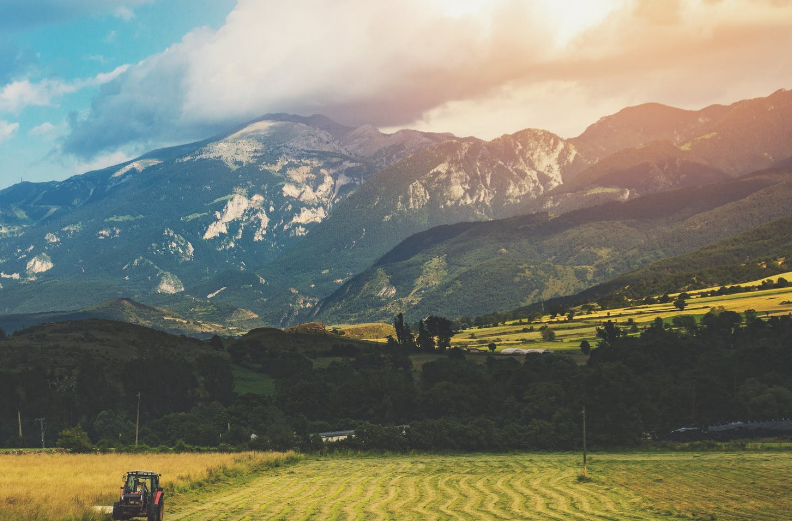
(443, 64)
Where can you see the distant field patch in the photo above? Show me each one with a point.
(248, 381)
(373, 331)
(123, 218)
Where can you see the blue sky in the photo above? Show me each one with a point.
(85, 84)
(65, 51)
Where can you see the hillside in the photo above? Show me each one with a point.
(753, 255)
(173, 218)
(119, 310)
(473, 268)
(650, 168)
(257, 225)
(455, 181)
(635, 126)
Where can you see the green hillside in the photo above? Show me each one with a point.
(469, 269)
(753, 255)
(120, 310)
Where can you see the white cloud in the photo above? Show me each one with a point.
(435, 62)
(19, 94)
(101, 161)
(7, 129)
(125, 13)
(49, 130)
(44, 128)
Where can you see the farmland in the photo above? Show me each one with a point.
(37, 487)
(648, 486)
(744, 485)
(527, 335)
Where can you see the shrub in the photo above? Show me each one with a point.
(75, 440)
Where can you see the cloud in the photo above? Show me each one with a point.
(19, 94)
(429, 61)
(20, 14)
(7, 129)
(44, 128)
(48, 130)
(100, 161)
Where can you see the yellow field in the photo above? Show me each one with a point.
(774, 278)
(583, 326)
(376, 332)
(54, 487)
(723, 486)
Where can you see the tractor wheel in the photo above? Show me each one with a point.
(117, 510)
(155, 512)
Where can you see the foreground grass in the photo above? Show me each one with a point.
(645, 486)
(60, 487)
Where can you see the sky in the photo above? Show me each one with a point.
(85, 84)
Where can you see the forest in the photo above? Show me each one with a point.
(635, 388)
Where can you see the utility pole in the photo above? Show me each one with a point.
(43, 430)
(584, 442)
(19, 420)
(137, 421)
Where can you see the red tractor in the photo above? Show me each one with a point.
(141, 496)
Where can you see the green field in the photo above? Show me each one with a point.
(583, 326)
(641, 486)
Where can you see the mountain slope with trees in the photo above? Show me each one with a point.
(473, 268)
(761, 252)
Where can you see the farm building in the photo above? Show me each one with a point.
(517, 351)
(330, 437)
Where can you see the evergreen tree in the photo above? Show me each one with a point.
(425, 341)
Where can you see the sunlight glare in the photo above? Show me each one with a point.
(572, 17)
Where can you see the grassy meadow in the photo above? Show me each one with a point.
(39, 486)
(638, 486)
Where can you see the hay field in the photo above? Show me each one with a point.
(649, 486)
(570, 334)
(56, 487)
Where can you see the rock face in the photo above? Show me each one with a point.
(452, 182)
(171, 219)
(279, 213)
(473, 268)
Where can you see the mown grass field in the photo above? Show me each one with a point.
(641, 486)
(59, 487)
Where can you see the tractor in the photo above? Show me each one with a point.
(141, 496)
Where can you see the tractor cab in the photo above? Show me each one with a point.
(141, 496)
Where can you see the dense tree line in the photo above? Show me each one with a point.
(634, 387)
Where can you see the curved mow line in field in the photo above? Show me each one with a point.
(331, 505)
(427, 496)
(362, 494)
(517, 503)
(381, 504)
(491, 500)
(447, 491)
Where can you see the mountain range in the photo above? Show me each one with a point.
(290, 217)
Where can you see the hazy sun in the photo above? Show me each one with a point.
(567, 17)
(571, 17)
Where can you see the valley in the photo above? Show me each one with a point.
(425, 259)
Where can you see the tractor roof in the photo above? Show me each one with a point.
(142, 473)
